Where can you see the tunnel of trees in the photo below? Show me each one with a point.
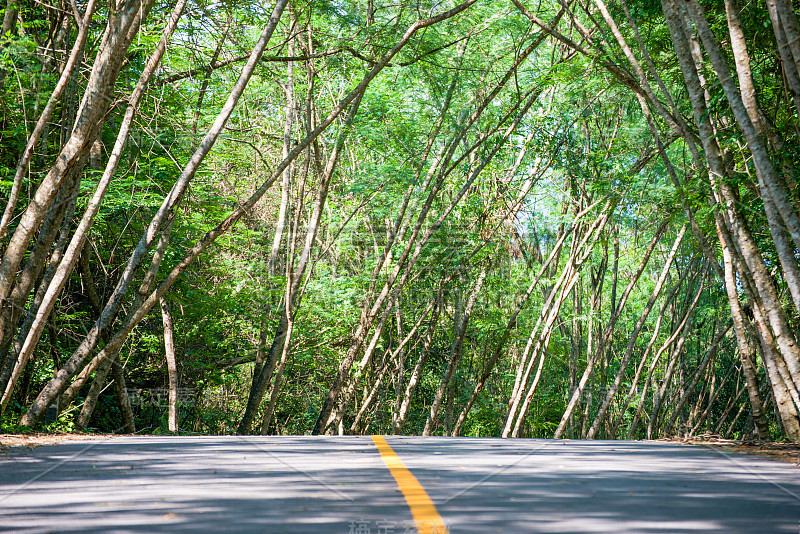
(560, 218)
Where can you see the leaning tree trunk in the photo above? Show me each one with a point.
(709, 356)
(455, 355)
(405, 405)
(282, 335)
(420, 237)
(612, 433)
(780, 211)
(634, 336)
(676, 340)
(78, 359)
(552, 258)
(122, 26)
(744, 344)
(55, 96)
(784, 25)
(70, 258)
(605, 339)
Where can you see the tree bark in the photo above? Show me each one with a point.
(418, 237)
(93, 395)
(70, 258)
(709, 356)
(61, 218)
(118, 372)
(550, 311)
(779, 209)
(172, 367)
(41, 123)
(790, 67)
(634, 336)
(292, 298)
(607, 333)
(455, 355)
(77, 361)
(94, 106)
(678, 338)
(744, 344)
(512, 321)
(400, 419)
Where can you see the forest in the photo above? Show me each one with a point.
(516, 218)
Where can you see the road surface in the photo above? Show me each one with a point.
(344, 485)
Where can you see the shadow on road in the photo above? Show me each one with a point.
(487, 485)
(340, 485)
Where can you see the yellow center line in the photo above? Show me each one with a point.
(426, 517)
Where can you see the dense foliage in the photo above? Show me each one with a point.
(489, 218)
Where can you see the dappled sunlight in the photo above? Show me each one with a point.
(323, 484)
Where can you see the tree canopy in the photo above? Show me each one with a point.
(528, 219)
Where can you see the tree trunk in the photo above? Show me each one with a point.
(785, 52)
(744, 344)
(93, 395)
(678, 338)
(580, 251)
(77, 361)
(94, 106)
(117, 371)
(10, 17)
(55, 96)
(607, 333)
(295, 281)
(70, 258)
(455, 355)
(711, 400)
(418, 238)
(779, 209)
(634, 336)
(287, 174)
(172, 367)
(400, 420)
(61, 218)
(273, 398)
(709, 356)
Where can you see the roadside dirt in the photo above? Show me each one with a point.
(31, 441)
(782, 452)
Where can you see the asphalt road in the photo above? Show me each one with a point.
(342, 485)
